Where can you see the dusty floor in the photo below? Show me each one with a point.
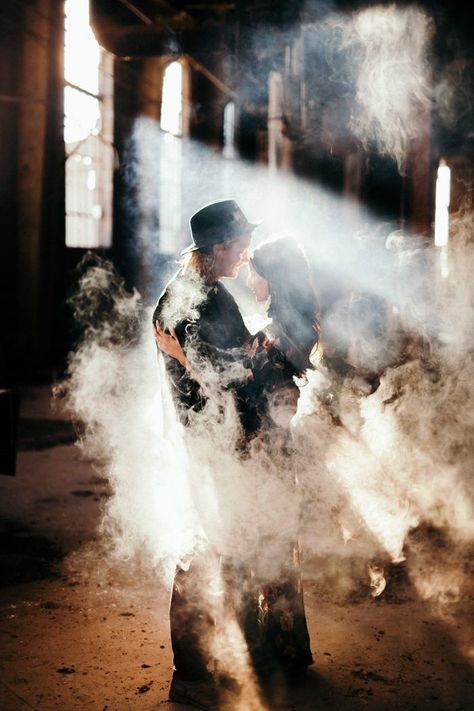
(71, 639)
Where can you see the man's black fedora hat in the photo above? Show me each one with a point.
(218, 222)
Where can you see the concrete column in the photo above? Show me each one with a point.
(33, 87)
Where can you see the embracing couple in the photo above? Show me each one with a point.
(200, 330)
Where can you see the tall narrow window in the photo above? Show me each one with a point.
(229, 130)
(279, 145)
(443, 199)
(172, 124)
(443, 195)
(88, 132)
(172, 99)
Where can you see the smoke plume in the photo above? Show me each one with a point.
(372, 466)
(402, 455)
(390, 45)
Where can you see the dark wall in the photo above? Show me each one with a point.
(32, 251)
(9, 110)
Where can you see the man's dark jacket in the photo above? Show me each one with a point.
(213, 327)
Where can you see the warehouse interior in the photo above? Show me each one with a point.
(234, 57)
(349, 125)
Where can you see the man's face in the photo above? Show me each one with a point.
(229, 257)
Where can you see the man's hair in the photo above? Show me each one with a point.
(201, 261)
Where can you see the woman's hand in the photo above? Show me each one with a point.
(260, 340)
(169, 344)
(251, 347)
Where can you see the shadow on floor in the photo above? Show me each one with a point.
(25, 556)
(38, 434)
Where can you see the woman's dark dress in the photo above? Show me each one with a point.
(275, 620)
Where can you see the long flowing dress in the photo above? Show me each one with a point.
(275, 620)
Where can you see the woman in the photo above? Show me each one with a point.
(274, 619)
(279, 275)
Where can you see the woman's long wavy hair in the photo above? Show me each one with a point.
(294, 307)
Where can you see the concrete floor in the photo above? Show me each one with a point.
(77, 634)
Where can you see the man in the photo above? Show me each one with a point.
(206, 322)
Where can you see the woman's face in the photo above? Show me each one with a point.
(257, 284)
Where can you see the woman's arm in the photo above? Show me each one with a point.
(168, 343)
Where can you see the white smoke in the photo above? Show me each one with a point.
(185, 296)
(118, 390)
(172, 489)
(402, 457)
(372, 468)
(379, 74)
(391, 45)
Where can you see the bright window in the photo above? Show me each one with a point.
(172, 100)
(229, 130)
(443, 194)
(88, 132)
(171, 123)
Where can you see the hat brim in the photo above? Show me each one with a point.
(191, 248)
(194, 247)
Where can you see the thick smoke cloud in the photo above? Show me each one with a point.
(403, 455)
(118, 392)
(372, 467)
(375, 466)
(170, 490)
